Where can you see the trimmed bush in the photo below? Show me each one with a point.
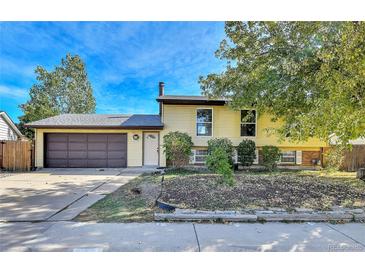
(271, 155)
(218, 162)
(177, 146)
(246, 152)
(223, 143)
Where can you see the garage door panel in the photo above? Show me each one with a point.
(97, 163)
(77, 138)
(57, 163)
(57, 146)
(61, 154)
(77, 163)
(57, 137)
(77, 154)
(116, 162)
(77, 146)
(96, 146)
(98, 138)
(97, 154)
(115, 155)
(116, 146)
(86, 150)
(117, 138)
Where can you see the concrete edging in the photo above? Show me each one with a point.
(273, 215)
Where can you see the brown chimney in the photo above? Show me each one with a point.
(161, 88)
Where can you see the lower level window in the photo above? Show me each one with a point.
(288, 157)
(201, 155)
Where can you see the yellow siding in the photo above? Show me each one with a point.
(226, 123)
(134, 150)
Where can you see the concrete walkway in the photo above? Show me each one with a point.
(72, 236)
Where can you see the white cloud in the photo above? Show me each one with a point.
(12, 92)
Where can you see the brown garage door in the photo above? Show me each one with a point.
(85, 150)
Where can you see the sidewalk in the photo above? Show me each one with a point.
(71, 236)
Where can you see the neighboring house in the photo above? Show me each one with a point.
(116, 140)
(8, 130)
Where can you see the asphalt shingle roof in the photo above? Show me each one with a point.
(190, 98)
(100, 120)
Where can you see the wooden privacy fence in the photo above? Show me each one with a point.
(16, 155)
(355, 158)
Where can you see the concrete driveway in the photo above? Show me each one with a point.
(57, 194)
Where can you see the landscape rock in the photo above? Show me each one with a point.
(304, 210)
(205, 217)
(264, 212)
(225, 212)
(359, 217)
(277, 209)
(356, 211)
(184, 211)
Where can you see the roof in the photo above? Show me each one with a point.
(11, 124)
(191, 100)
(124, 121)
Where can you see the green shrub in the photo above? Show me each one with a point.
(246, 152)
(271, 155)
(218, 162)
(223, 143)
(177, 146)
(335, 157)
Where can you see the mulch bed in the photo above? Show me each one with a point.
(263, 191)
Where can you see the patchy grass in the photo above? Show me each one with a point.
(132, 202)
(286, 189)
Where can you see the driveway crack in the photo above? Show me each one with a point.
(344, 234)
(196, 236)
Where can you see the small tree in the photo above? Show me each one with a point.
(177, 146)
(223, 143)
(335, 157)
(271, 155)
(218, 162)
(246, 152)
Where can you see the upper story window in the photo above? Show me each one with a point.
(248, 123)
(204, 122)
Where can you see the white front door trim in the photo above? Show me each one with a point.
(150, 148)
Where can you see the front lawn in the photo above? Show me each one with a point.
(309, 189)
(135, 201)
(132, 202)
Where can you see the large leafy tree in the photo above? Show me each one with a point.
(66, 89)
(309, 74)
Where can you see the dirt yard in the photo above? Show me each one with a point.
(262, 190)
(135, 201)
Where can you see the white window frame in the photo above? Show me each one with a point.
(196, 122)
(196, 154)
(248, 123)
(291, 156)
(256, 160)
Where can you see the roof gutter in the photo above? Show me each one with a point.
(95, 127)
(191, 102)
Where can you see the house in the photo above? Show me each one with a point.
(8, 130)
(116, 140)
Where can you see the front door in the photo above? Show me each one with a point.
(150, 148)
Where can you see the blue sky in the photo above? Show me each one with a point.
(124, 60)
